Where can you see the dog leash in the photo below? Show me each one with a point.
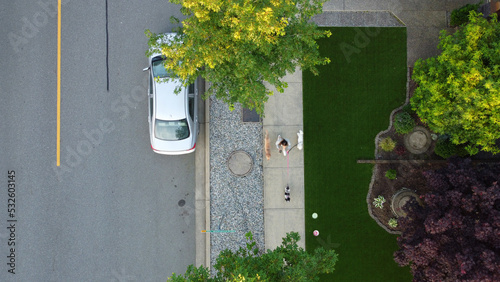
(288, 164)
(292, 148)
(287, 168)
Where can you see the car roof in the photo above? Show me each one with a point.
(170, 106)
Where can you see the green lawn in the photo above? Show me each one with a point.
(344, 109)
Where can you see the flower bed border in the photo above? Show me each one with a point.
(377, 140)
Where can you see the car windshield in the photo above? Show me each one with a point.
(171, 130)
(159, 70)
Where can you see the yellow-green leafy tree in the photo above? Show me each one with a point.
(459, 91)
(287, 262)
(238, 45)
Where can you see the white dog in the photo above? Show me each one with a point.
(300, 142)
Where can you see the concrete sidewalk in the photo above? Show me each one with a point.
(284, 115)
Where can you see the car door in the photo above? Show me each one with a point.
(193, 105)
(150, 101)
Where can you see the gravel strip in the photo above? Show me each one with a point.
(236, 203)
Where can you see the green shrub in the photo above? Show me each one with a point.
(403, 123)
(460, 16)
(471, 150)
(445, 149)
(379, 202)
(387, 144)
(393, 222)
(391, 174)
(407, 109)
(462, 151)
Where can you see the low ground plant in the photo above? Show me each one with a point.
(391, 174)
(379, 202)
(387, 144)
(393, 223)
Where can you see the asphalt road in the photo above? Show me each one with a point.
(113, 210)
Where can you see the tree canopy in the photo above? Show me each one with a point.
(287, 262)
(237, 45)
(455, 236)
(458, 91)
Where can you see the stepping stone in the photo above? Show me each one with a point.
(418, 141)
(400, 199)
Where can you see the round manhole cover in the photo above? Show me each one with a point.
(418, 141)
(240, 163)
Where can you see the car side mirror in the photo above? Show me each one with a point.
(146, 69)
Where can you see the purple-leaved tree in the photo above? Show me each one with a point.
(455, 236)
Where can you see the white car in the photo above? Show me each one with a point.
(173, 118)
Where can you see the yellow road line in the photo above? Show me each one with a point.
(58, 83)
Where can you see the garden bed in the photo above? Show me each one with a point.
(408, 175)
(409, 168)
